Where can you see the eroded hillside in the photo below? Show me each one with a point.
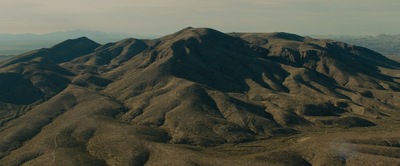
(200, 97)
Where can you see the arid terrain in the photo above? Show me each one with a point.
(388, 45)
(200, 97)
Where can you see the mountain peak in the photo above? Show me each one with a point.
(81, 41)
(62, 52)
(202, 31)
(287, 36)
(199, 33)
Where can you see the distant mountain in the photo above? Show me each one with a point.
(200, 97)
(4, 57)
(14, 44)
(388, 45)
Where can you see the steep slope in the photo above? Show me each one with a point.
(351, 68)
(35, 77)
(200, 97)
(184, 68)
(107, 57)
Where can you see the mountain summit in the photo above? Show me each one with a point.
(200, 97)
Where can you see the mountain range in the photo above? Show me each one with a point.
(15, 44)
(200, 97)
(388, 45)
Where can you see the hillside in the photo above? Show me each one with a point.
(200, 97)
(15, 44)
(388, 45)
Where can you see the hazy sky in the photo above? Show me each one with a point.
(354, 17)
